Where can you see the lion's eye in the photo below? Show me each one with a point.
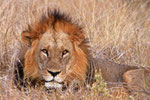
(64, 53)
(45, 51)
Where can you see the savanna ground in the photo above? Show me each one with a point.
(118, 30)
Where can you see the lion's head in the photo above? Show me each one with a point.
(58, 51)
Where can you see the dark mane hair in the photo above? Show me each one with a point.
(55, 21)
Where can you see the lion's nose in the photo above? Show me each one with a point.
(54, 73)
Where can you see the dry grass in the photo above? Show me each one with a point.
(118, 30)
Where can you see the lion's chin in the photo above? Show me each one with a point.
(54, 85)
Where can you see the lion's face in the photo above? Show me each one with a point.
(54, 58)
(57, 53)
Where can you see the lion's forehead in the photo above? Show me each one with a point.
(60, 39)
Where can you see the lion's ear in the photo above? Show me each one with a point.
(78, 38)
(26, 37)
(81, 38)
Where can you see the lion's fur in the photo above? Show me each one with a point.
(138, 80)
(134, 78)
(111, 71)
(54, 22)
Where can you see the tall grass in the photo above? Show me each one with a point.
(118, 30)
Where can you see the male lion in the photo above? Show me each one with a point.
(57, 53)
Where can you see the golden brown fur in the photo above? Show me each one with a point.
(56, 34)
(138, 80)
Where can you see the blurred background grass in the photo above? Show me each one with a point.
(118, 30)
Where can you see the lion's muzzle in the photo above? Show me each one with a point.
(53, 80)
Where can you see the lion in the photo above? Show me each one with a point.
(57, 53)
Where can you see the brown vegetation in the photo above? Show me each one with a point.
(117, 30)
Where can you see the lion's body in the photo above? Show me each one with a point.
(132, 78)
(111, 71)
